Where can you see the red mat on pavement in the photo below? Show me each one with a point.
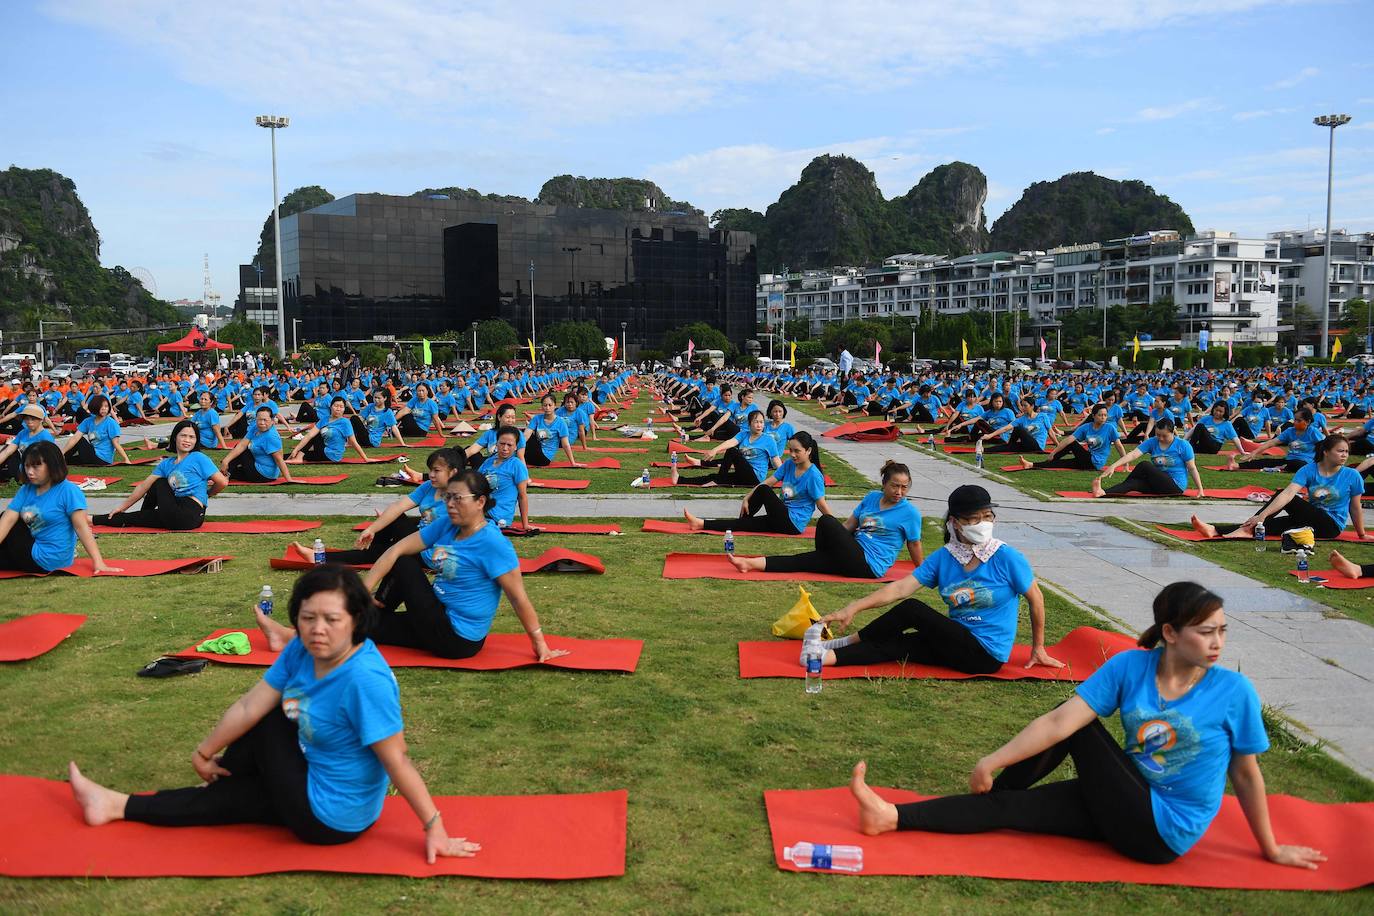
(1226, 856)
(550, 528)
(84, 569)
(551, 484)
(1333, 579)
(1212, 493)
(661, 527)
(31, 636)
(522, 836)
(715, 566)
(598, 464)
(502, 652)
(562, 560)
(254, 526)
(1082, 651)
(321, 480)
(1188, 534)
(865, 431)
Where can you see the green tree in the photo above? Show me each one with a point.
(701, 334)
(243, 334)
(1357, 316)
(858, 337)
(797, 329)
(576, 339)
(496, 334)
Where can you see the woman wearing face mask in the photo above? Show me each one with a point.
(981, 580)
(1087, 449)
(1301, 440)
(1333, 499)
(863, 546)
(1190, 724)
(802, 486)
(509, 479)
(257, 458)
(749, 457)
(176, 493)
(1165, 462)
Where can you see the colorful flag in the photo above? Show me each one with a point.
(1042, 348)
(1135, 349)
(533, 360)
(794, 355)
(614, 343)
(877, 353)
(1228, 352)
(964, 343)
(1336, 350)
(424, 351)
(1203, 339)
(690, 347)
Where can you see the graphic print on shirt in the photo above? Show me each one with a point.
(1164, 743)
(963, 598)
(295, 705)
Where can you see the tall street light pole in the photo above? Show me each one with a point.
(534, 342)
(274, 123)
(1332, 121)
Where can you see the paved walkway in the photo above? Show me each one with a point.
(1318, 669)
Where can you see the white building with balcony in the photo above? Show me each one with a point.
(1351, 273)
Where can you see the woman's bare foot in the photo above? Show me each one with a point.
(99, 805)
(295, 460)
(1202, 528)
(1097, 488)
(148, 444)
(672, 475)
(1025, 462)
(746, 564)
(303, 552)
(1343, 566)
(693, 522)
(1232, 464)
(875, 815)
(278, 635)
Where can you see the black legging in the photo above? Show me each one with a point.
(16, 550)
(425, 624)
(161, 508)
(1202, 440)
(409, 427)
(83, 455)
(534, 452)
(1021, 441)
(1109, 800)
(1243, 428)
(837, 553)
(401, 527)
(267, 785)
(242, 468)
(307, 413)
(313, 453)
(1360, 444)
(1289, 465)
(774, 518)
(1299, 513)
(12, 468)
(1075, 457)
(725, 431)
(915, 632)
(1146, 477)
(733, 471)
(239, 428)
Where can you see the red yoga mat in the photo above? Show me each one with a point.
(1188, 534)
(1082, 651)
(502, 652)
(865, 431)
(1334, 579)
(522, 836)
(599, 464)
(681, 447)
(84, 569)
(551, 528)
(1212, 493)
(1013, 468)
(320, 480)
(31, 636)
(661, 527)
(374, 459)
(715, 566)
(551, 484)
(433, 440)
(562, 560)
(1226, 856)
(254, 526)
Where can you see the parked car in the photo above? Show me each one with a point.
(144, 367)
(1364, 360)
(122, 367)
(97, 369)
(63, 372)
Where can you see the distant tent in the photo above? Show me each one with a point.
(195, 341)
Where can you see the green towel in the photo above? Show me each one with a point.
(235, 643)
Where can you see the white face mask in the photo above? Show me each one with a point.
(979, 533)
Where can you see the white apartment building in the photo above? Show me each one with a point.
(1219, 282)
(1351, 273)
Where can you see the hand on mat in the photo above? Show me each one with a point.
(439, 843)
(208, 768)
(1040, 657)
(107, 568)
(364, 539)
(542, 650)
(1298, 856)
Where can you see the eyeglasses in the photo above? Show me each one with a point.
(450, 498)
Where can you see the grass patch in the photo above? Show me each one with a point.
(694, 745)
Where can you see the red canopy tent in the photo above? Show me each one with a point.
(195, 341)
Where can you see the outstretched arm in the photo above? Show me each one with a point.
(1248, 782)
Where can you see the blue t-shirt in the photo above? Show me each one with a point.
(1221, 430)
(1038, 426)
(998, 418)
(1184, 747)
(780, 433)
(377, 422)
(23, 440)
(759, 452)
(206, 420)
(1331, 494)
(799, 491)
(467, 573)
(49, 517)
(549, 434)
(987, 600)
(1302, 446)
(335, 432)
(487, 441)
(1172, 460)
(505, 478)
(190, 476)
(263, 445)
(1097, 441)
(338, 718)
(102, 434)
(424, 412)
(882, 533)
(1256, 415)
(430, 504)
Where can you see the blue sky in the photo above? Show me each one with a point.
(148, 105)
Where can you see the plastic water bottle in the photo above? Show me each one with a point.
(813, 653)
(1259, 538)
(825, 857)
(644, 478)
(265, 600)
(978, 455)
(649, 422)
(319, 552)
(1271, 470)
(1302, 566)
(672, 459)
(729, 543)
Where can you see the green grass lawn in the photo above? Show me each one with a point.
(694, 745)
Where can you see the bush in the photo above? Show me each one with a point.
(747, 362)
(372, 355)
(809, 350)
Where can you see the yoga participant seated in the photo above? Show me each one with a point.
(485, 446)
(1029, 432)
(1167, 460)
(777, 425)
(475, 564)
(1301, 439)
(509, 479)
(96, 440)
(863, 546)
(1087, 449)
(749, 457)
(802, 485)
(421, 413)
(995, 416)
(207, 423)
(1159, 410)
(376, 421)
(12, 452)
(257, 457)
(980, 578)
(312, 746)
(1190, 724)
(965, 413)
(176, 493)
(1213, 431)
(1333, 500)
(549, 433)
(328, 438)
(262, 397)
(41, 525)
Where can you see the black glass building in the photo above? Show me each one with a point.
(372, 264)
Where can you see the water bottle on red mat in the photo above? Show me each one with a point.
(825, 857)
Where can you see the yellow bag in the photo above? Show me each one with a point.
(794, 623)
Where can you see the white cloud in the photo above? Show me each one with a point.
(1302, 76)
(1261, 113)
(1168, 112)
(1103, 131)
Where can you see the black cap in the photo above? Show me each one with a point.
(968, 499)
